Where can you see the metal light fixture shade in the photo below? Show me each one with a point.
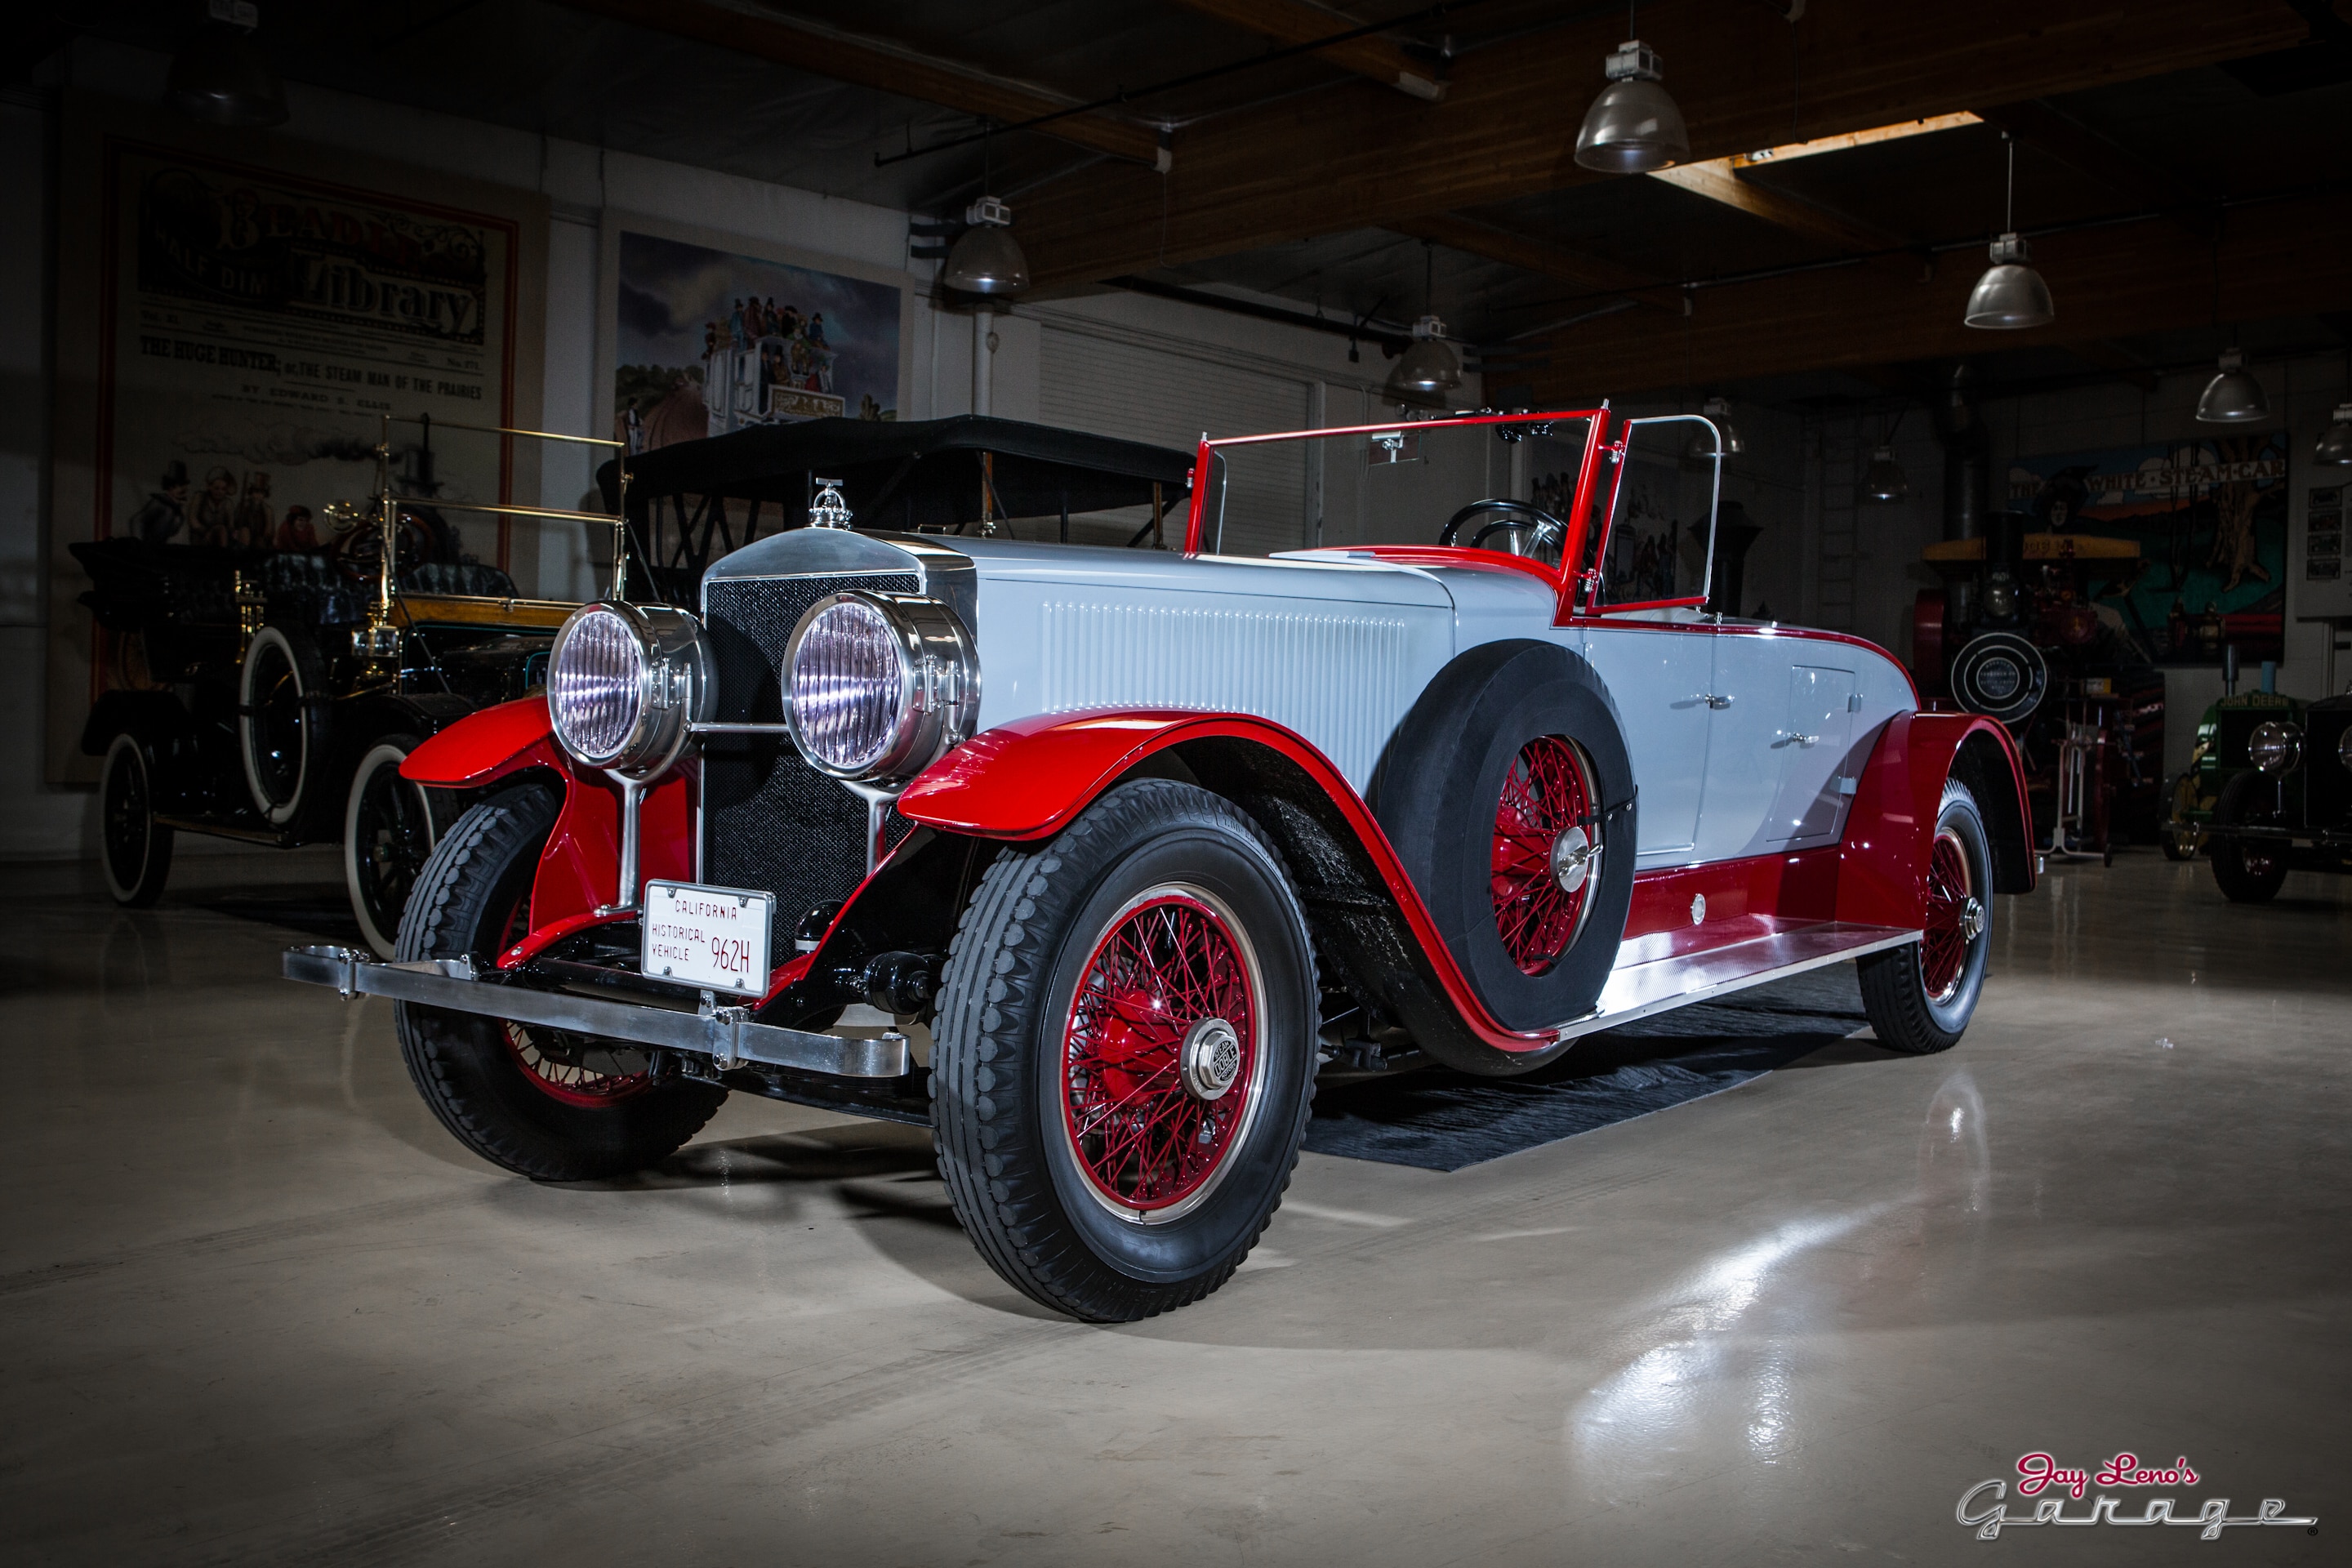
(1429, 363)
(1702, 444)
(221, 77)
(985, 259)
(1634, 126)
(2011, 293)
(2233, 396)
(2335, 449)
(1885, 479)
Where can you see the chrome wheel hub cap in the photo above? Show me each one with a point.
(1211, 1058)
(1972, 919)
(1572, 857)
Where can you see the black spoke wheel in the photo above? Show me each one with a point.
(137, 849)
(1125, 1052)
(542, 1102)
(2247, 871)
(1920, 996)
(281, 720)
(387, 837)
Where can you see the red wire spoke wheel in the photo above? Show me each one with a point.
(1546, 842)
(1159, 1054)
(555, 1062)
(1943, 947)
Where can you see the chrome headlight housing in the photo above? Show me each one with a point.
(878, 687)
(623, 684)
(2275, 748)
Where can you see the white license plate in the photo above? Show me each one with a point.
(715, 938)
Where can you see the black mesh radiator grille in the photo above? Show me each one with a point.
(770, 821)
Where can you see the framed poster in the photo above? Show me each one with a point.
(236, 317)
(2209, 515)
(706, 333)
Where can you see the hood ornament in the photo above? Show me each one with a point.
(828, 510)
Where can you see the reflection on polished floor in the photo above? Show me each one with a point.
(258, 1307)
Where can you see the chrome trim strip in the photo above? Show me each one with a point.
(726, 1035)
(1638, 990)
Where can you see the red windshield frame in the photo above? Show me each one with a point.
(1564, 581)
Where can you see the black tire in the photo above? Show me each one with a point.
(1437, 796)
(1910, 1010)
(281, 720)
(387, 838)
(2246, 873)
(1029, 1185)
(135, 848)
(543, 1104)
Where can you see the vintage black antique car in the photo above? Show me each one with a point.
(2292, 809)
(271, 695)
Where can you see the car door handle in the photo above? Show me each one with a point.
(1714, 701)
(1796, 739)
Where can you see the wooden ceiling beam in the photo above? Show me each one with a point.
(885, 67)
(2088, 154)
(1530, 253)
(1355, 156)
(1292, 22)
(1716, 181)
(2277, 258)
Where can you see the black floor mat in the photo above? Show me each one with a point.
(1442, 1121)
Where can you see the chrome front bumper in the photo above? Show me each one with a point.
(726, 1035)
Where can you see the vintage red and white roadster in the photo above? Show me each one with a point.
(1132, 840)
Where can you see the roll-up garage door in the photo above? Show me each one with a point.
(1113, 388)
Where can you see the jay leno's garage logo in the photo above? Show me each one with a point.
(1984, 1507)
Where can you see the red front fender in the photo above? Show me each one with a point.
(578, 869)
(483, 747)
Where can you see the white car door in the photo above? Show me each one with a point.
(1779, 767)
(1660, 682)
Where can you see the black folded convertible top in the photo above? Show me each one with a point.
(909, 474)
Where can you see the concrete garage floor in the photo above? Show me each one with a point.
(257, 1307)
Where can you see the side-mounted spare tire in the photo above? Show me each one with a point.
(1509, 795)
(282, 721)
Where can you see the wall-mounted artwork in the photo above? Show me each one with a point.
(708, 340)
(237, 317)
(2209, 515)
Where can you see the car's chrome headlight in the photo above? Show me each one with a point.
(623, 682)
(2275, 748)
(879, 686)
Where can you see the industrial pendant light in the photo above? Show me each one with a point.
(2233, 396)
(1885, 479)
(2011, 293)
(1702, 444)
(1429, 366)
(1634, 125)
(2335, 449)
(220, 75)
(985, 259)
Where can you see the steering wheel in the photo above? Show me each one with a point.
(1510, 517)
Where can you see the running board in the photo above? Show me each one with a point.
(726, 1035)
(1637, 990)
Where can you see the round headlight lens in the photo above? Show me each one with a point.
(2275, 747)
(596, 684)
(879, 686)
(2344, 749)
(848, 684)
(624, 682)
